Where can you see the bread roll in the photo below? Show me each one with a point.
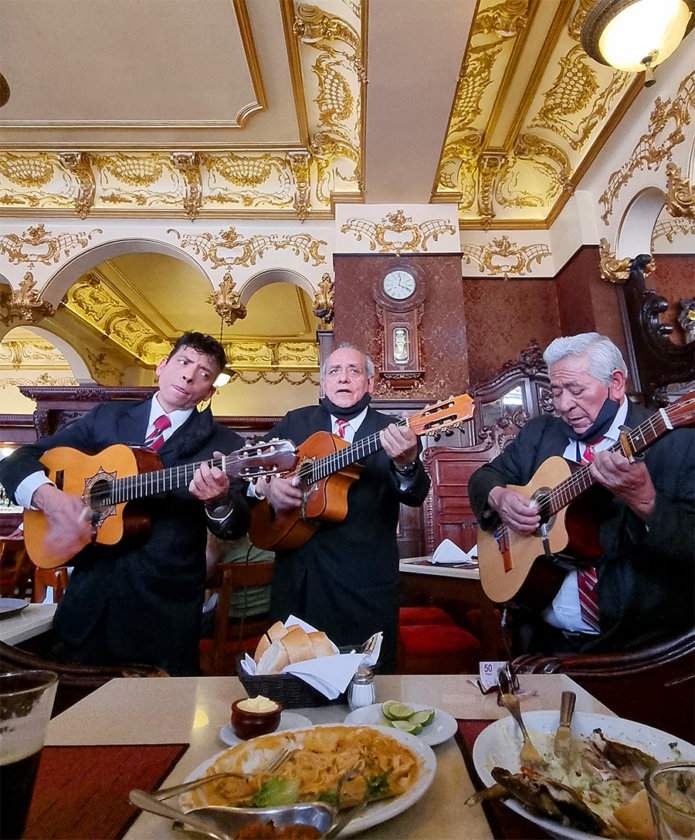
(321, 644)
(298, 645)
(273, 634)
(273, 660)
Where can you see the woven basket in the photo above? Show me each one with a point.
(287, 689)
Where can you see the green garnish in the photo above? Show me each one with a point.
(276, 791)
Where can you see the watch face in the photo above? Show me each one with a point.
(399, 284)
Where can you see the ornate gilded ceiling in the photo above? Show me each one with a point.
(262, 107)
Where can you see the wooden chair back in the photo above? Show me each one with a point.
(45, 579)
(15, 568)
(232, 637)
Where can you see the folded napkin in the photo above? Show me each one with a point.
(448, 553)
(329, 675)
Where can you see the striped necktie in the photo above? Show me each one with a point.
(156, 437)
(342, 425)
(586, 578)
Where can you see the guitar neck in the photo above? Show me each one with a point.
(146, 484)
(314, 471)
(635, 441)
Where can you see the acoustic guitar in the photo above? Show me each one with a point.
(326, 470)
(507, 558)
(117, 475)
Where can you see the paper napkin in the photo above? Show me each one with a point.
(448, 553)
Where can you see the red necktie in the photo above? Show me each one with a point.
(342, 424)
(586, 579)
(156, 437)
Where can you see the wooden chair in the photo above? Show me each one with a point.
(653, 685)
(231, 637)
(74, 681)
(15, 568)
(44, 579)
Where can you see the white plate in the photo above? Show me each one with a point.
(498, 746)
(441, 729)
(9, 606)
(288, 720)
(377, 812)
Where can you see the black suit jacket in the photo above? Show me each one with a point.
(645, 573)
(344, 580)
(146, 595)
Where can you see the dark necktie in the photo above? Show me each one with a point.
(156, 437)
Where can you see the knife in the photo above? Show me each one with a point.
(563, 736)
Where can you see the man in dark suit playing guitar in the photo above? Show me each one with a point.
(342, 575)
(140, 600)
(632, 540)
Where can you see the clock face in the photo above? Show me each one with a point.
(399, 284)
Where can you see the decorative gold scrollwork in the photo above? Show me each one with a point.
(395, 235)
(26, 304)
(227, 302)
(324, 300)
(681, 194)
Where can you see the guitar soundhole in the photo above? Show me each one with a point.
(98, 496)
(542, 499)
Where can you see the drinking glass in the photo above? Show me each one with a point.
(26, 701)
(671, 791)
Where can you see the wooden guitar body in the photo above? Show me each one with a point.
(324, 500)
(87, 475)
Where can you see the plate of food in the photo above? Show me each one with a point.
(400, 768)
(11, 606)
(431, 726)
(598, 793)
(288, 720)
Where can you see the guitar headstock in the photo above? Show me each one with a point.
(257, 460)
(446, 414)
(682, 411)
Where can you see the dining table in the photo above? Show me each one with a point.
(152, 732)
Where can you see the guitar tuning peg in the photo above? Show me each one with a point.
(449, 432)
(437, 436)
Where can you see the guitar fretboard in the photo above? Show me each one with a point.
(312, 471)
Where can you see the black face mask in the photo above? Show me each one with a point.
(346, 413)
(599, 427)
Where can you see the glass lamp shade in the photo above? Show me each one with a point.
(633, 35)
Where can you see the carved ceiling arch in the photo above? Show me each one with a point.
(275, 275)
(636, 227)
(78, 365)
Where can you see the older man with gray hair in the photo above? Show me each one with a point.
(638, 586)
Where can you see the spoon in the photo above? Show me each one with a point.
(529, 754)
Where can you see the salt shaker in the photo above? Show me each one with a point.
(361, 689)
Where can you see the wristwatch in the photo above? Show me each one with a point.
(407, 470)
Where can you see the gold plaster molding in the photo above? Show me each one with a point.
(78, 163)
(655, 145)
(227, 302)
(188, 164)
(324, 300)
(394, 234)
(275, 377)
(671, 228)
(43, 379)
(38, 245)
(25, 353)
(25, 303)
(505, 257)
(614, 270)
(680, 201)
(207, 246)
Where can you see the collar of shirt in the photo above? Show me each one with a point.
(575, 449)
(352, 426)
(177, 418)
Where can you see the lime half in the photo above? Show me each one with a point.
(407, 726)
(399, 711)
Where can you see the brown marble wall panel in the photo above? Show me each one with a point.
(503, 318)
(443, 340)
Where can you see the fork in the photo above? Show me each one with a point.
(529, 754)
(268, 767)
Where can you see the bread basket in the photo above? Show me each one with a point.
(287, 689)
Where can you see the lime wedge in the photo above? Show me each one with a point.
(399, 711)
(424, 718)
(407, 726)
(386, 708)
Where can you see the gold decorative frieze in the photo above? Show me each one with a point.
(25, 303)
(102, 370)
(324, 300)
(664, 132)
(227, 302)
(47, 378)
(247, 354)
(37, 245)
(616, 270)
(503, 257)
(396, 233)
(209, 246)
(275, 377)
(188, 164)
(680, 200)
(31, 353)
(669, 229)
(78, 163)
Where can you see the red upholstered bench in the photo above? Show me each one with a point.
(435, 645)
